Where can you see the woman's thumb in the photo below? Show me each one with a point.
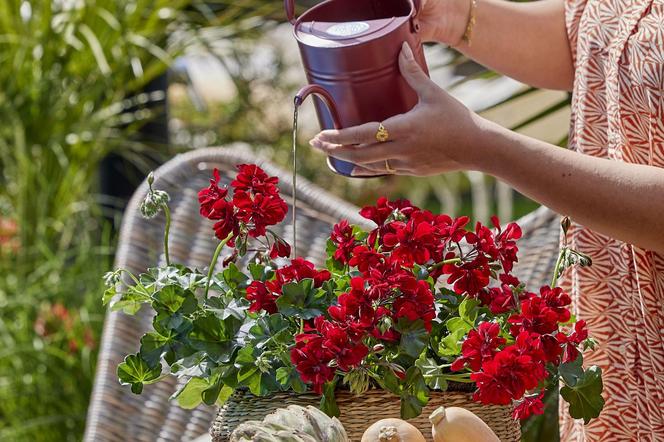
(412, 71)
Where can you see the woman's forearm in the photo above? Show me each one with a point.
(526, 41)
(624, 201)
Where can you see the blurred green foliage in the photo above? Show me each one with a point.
(72, 72)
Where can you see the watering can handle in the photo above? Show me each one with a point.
(320, 92)
(289, 6)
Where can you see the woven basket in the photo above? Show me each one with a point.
(358, 412)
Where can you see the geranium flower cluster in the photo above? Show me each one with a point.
(416, 303)
(254, 206)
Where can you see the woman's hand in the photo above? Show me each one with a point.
(444, 21)
(435, 136)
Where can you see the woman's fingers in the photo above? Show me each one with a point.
(363, 154)
(413, 73)
(386, 167)
(365, 133)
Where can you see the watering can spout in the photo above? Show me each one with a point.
(325, 96)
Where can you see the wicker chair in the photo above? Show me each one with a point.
(115, 414)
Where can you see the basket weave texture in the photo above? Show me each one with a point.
(358, 412)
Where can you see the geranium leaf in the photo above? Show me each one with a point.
(432, 373)
(190, 396)
(154, 345)
(468, 310)
(414, 337)
(450, 345)
(135, 371)
(174, 298)
(289, 379)
(301, 299)
(234, 277)
(572, 371)
(585, 398)
(328, 403)
(109, 293)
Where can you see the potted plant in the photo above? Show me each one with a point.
(410, 308)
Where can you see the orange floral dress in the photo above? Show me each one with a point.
(618, 113)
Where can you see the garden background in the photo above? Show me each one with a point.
(98, 92)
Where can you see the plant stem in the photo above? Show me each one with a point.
(301, 325)
(213, 263)
(442, 263)
(167, 231)
(556, 269)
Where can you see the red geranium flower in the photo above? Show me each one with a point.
(469, 277)
(342, 237)
(558, 301)
(259, 210)
(348, 353)
(224, 213)
(210, 195)
(481, 344)
(312, 361)
(261, 298)
(298, 270)
(384, 208)
(535, 317)
(507, 376)
(280, 248)
(506, 243)
(529, 406)
(570, 343)
(253, 179)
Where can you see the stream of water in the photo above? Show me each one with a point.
(294, 201)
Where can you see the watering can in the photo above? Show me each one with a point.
(350, 50)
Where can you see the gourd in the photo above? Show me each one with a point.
(456, 424)
(292, 424)
(392, 430)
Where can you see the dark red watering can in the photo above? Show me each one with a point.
(350, 52)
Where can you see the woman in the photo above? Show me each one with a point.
(610, 181)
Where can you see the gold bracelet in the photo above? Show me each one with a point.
(468, 35)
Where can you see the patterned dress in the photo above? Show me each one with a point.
(618, 113)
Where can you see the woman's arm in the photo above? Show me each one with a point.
(526, 41)
(621, 200)
(624, 201)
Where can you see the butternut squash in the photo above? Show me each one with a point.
(392, 430)
(456, 424)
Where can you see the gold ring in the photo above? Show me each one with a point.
(382, 135)
(388, 169)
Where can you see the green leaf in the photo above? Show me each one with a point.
(224, 307)
(390, 382)
(415, 394)
(414, 337)
(109, 293)
(432, 373)
(290, 380)
(572, 371)
(328, 403)
(273, 328)
(260, 383)
(458, 324)
(174, 298)
(300, 299)
(234, 277)
(585, 397)
(216, 337)
(450, 345)
(131, 301)
(190, 396)
(154, 345)
(468, 310)
(260, 272)
(137, 372)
